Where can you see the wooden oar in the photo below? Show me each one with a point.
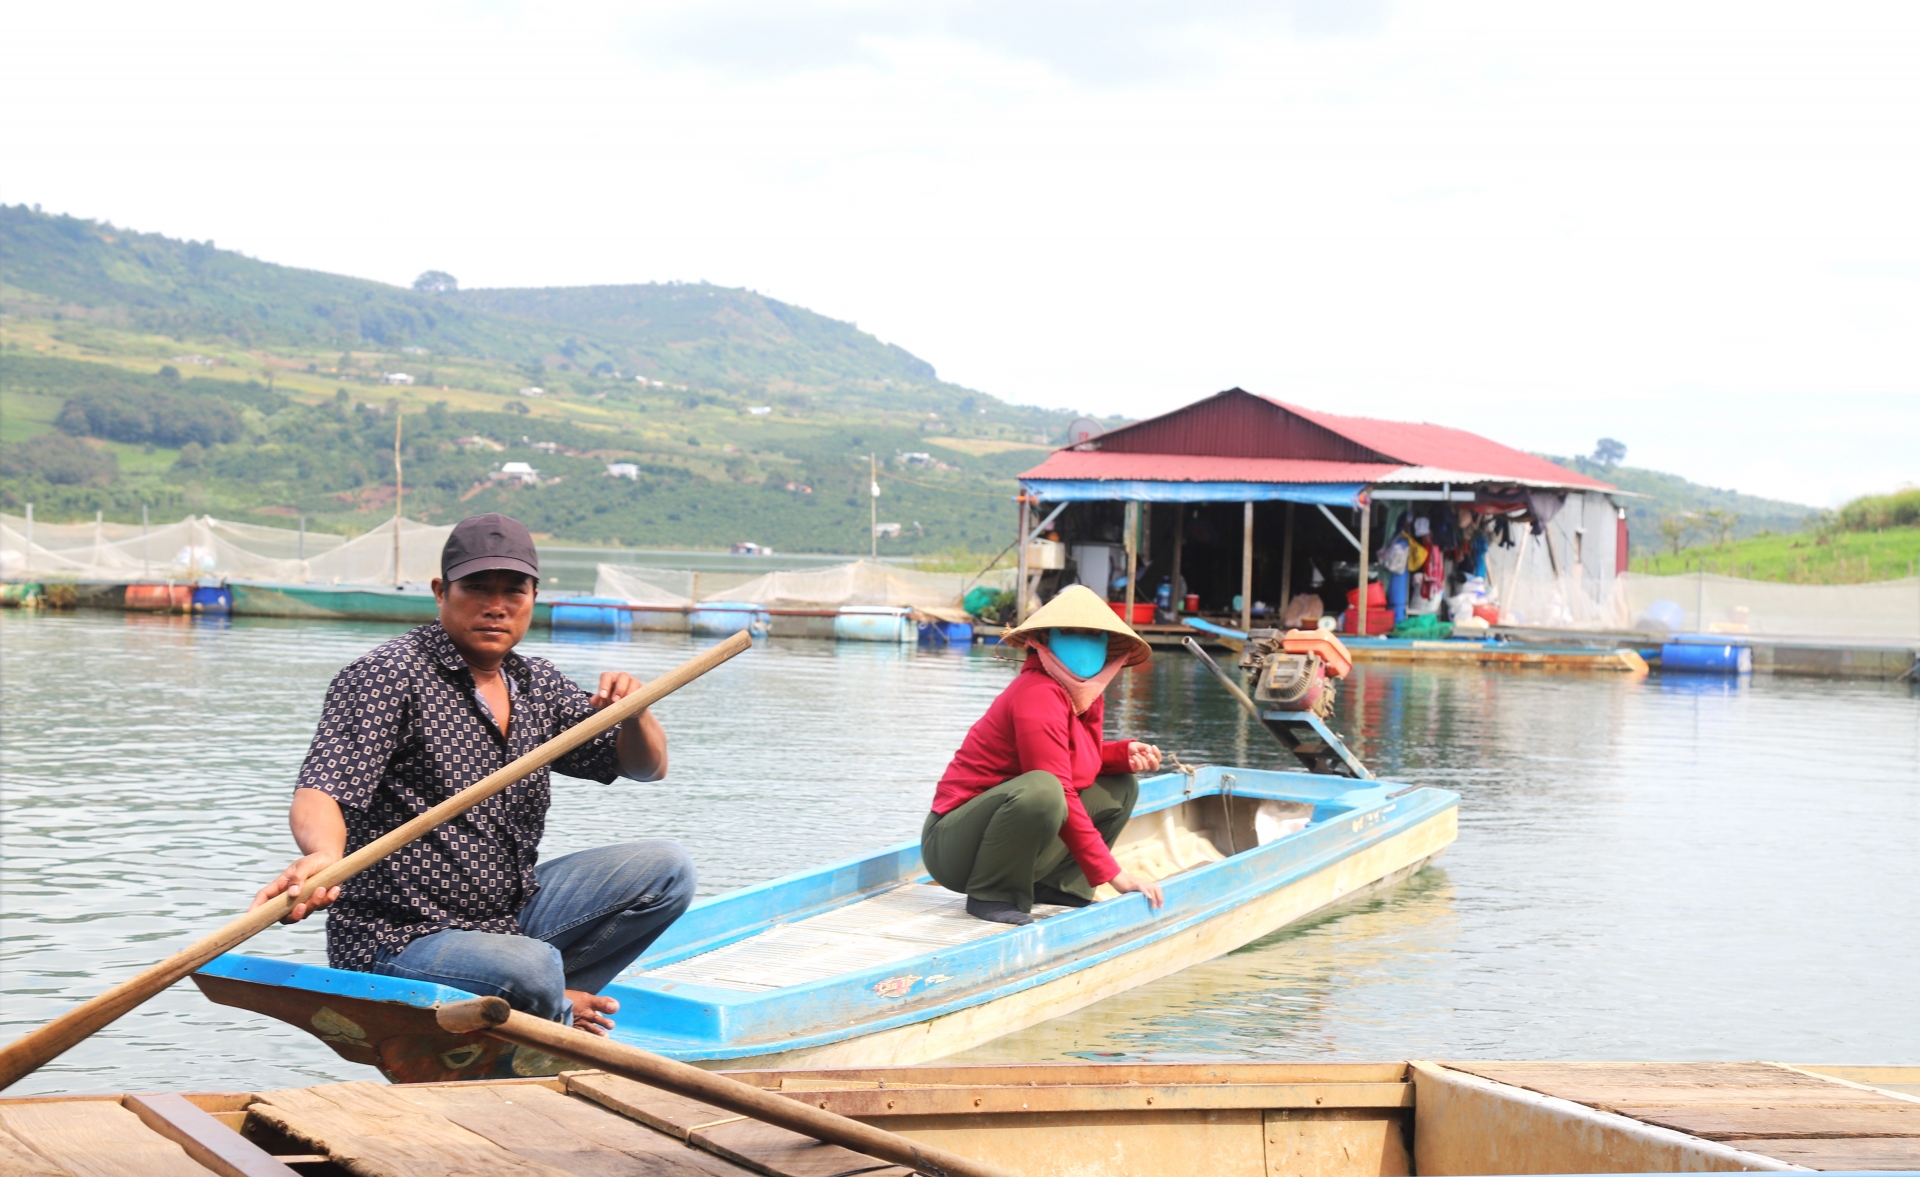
(493, 1017)
(33, 1051)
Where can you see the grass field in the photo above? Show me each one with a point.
(1847, 557)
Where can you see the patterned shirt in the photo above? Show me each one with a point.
(401, 730)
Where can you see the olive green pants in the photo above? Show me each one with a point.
(1001, 843)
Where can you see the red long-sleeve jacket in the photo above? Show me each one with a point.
(1031, 727)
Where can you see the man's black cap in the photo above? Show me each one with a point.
(482, 543)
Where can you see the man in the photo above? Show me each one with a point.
(470, 905)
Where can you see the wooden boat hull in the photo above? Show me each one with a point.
(696, 995)
(1387, 1119)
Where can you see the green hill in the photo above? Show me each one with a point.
(1662, 495)
(199, 379)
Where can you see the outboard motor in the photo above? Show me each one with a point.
(1295, 670)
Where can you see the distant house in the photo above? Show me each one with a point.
(623, 470)
(916, 459)
(533, 391)
(547, 447)
(398, 378)
(760, 410)
(747, 547)
(799, 488)
(476, 442)
(517, 472)
(886, 531)
(414, 349)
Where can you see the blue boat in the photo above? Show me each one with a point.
(866, 962)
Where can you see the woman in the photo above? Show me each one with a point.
(1029, 809)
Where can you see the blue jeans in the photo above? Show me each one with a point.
(594, 913)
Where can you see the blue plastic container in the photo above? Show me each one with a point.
(212, 598)
(1700, 658)
(591, 613)
(874, 623)
(951, 633)
(720, 619)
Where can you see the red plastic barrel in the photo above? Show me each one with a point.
(159, 598)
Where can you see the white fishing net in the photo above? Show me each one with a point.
(643, 586)
(1706, 603)
(202, 546)
(863, 582)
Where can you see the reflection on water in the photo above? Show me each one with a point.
(1661, 868)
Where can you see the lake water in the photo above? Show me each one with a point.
(1654, 869)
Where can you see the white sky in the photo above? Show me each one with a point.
(1688, 226)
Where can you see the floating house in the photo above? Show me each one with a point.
(1243, 507)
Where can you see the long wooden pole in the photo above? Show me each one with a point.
(29, 1053)
(1133, 556)
(493, 1017)
(1286, 568)
(1366, 541)
(1246, 570)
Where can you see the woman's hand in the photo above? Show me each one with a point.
(1143, 758)
(1124, 882)
(294, 878)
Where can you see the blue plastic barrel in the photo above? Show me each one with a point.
(950, 633)
(1700, 658)
(591, 613)
(721, 618)
(874, 623)
(212, 598)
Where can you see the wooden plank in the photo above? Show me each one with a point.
(17, 1160)
(1545, 1076)
(864, 1103)
(1852, 1152)
(778, 1152)
(1311, 1144)
(376, 1131)
(96, 1138)
(1736, 1122)
(762, 1148)
(660, 1110)
(214, 1145)
(569, 1133)
(1077, 1074)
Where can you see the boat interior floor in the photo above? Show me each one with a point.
(910, 919)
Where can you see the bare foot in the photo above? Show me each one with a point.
(590, 1012)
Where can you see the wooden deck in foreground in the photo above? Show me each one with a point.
(1240, 1120)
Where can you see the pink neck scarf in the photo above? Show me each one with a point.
(1081, 692)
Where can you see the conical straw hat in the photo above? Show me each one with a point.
(1079, 607)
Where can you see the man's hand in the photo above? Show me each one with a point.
(643, 742)
(1143, 758)
(590, 1010)
(1124, 882)
(294, 879)
(614, 686)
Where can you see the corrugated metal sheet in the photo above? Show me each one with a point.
(1236, 424)
(1420, 444)
(1079, 465)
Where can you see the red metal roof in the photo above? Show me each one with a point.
(1236, 436)
(1441, 448)
(1083, 464)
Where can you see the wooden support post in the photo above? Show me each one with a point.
(1246, 570)
(1176, 600)
(1020, 566)
(1286, 567)
(1366, 541)
(1133, 556)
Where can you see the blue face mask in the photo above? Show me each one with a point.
(1083, 654)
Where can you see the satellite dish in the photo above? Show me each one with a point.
(1083, 429)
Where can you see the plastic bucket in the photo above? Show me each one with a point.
(216, 599)
(1142, 612)
(874, 623)
(1689, 658)
(591, 613)
(719, 619)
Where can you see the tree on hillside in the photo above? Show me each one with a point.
(1675, 529)
(1721, 522)
(436, 282)
(1609, 452)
